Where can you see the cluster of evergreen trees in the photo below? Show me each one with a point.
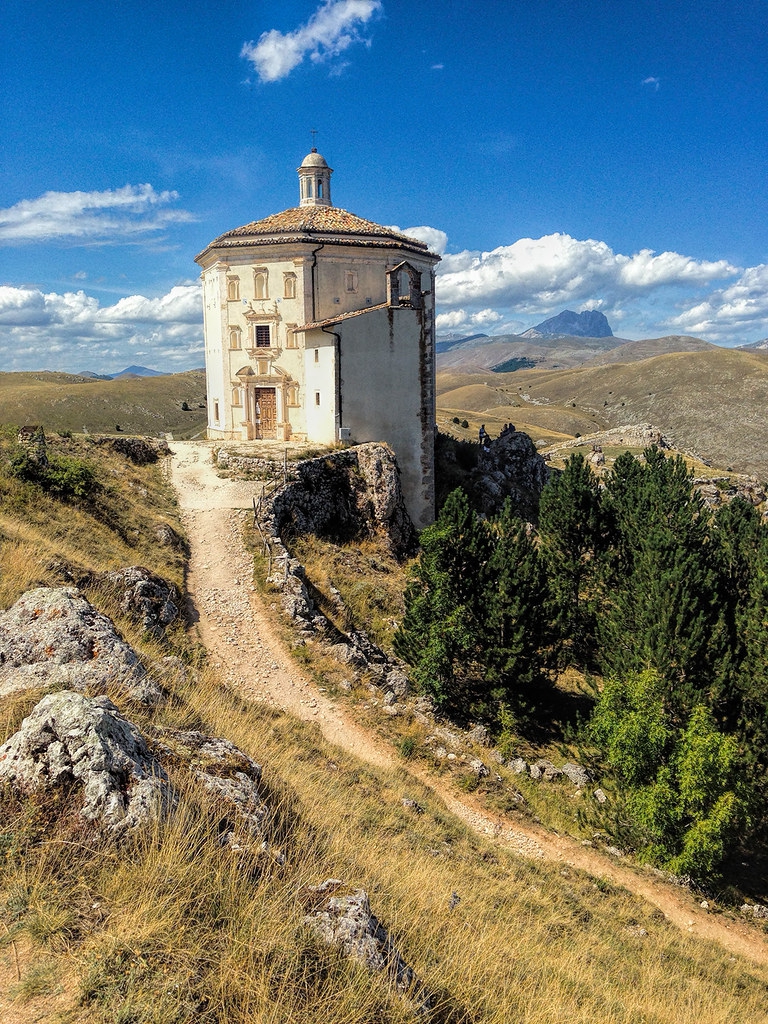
(634, 579)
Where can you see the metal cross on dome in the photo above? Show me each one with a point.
(313, 133)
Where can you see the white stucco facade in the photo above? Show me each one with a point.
(319, 326)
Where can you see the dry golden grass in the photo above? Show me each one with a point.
(138, 405)
(170, 927)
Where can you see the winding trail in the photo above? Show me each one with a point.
(236, 629)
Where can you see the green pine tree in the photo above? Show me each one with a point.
(570, 531)
(441, 631)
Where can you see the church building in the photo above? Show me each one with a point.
(319, 326)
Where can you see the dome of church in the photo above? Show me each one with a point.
(314, 159)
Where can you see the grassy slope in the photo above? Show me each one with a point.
(139, 405)
(173, 928)
(711, 401)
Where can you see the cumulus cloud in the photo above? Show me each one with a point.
(331, 30)
(436, 239)
(113, 216)
(71, 331)
(646, 293)
(741, 307)
(460, 321)
(538, 275)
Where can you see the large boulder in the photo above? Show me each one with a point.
(145, 597)
(347, 495)
(228, 774)
(349, 923)
(510, 467)
(54, 637)
(70, 738)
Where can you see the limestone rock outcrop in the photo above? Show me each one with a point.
(53, 636)
(228, 774)
(70, 738)
(510, 467)
(145, 596)
(347, 495)
(349, 923)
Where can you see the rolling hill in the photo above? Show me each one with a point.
(710, 400)
(135, 405)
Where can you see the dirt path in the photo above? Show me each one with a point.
(236, 629)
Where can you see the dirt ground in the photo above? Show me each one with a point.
(236, 629)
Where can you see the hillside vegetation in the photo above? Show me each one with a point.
(709, 401)
(147, 406)
(167, 925)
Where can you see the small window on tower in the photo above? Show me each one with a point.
(351, 280)
(289, 286)
(319, 188)
(233, 288)
(317, 398)
(317, 355)
(261, 335)
(235, 337)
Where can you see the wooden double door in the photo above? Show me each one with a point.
(262, 413)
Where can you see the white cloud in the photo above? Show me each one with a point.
(644, 292)
(741, 307)
(655, 83)
(459, 321)
(538, 275)
(331, 30)
(71, 331)
(113, 216)
(436, 239)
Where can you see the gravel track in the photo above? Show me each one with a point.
(236, 629)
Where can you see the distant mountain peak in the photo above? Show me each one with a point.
(589, 324)
(139, 371)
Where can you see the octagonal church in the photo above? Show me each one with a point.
(319, 326)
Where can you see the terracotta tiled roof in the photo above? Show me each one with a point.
(306, 223)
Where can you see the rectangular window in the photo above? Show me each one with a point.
(216, 411)
(317, 355)
(261, 333)
(317, 398)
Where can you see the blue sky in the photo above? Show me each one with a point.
(560, 153)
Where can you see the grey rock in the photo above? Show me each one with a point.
(397, 681)
(476, 765)
(547, 769)
(755, 910)
(144, 596)
(226, 772)
(600, 796)
(167, 536)
(347, 494)
(534, 771)
(348, 922)
(510, 468)
(72, 738)
(480, 735)
(53, 636)
(518, 765)
(579, 776)
(141, 451)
